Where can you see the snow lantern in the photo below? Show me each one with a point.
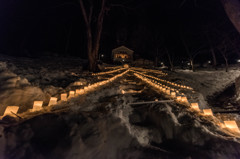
(232, 125)
(64, 97)
(80, 91)
(78, 83)
(195, 106)
(37, 105)
(53, 101)
(168, 92)
(164, 89)
(173, 94)
(71, 94)
(126, 66)
(10, 110)
(179, 98)
(208, 112)
(184, 100)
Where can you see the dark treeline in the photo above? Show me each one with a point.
(171, 31)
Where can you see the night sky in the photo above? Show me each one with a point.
(43, 27)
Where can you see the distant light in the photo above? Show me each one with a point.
(188, 64)
(126, 66)
(238, 60)
(102, 55)
(209, 61)
(162, 63)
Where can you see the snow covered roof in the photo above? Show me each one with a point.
(122, 49)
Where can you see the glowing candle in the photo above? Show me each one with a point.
(64, 97)
(207, 112)
(179, 98)
(168, 92)
(53, 101)
(195, 106)
(232, 125)
(173, 94)
(37, 105)
(79, 91)
(77, 83)
(71, 94)
(10, 110)
(184, 99)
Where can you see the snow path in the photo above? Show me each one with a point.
(103, 124)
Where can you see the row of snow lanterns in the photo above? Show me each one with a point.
(108, 72)
(149, 70)
(181, 99)
(38, 105)
(165, 81)
(114, 67)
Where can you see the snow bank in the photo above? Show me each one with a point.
(237, 84)
(24, 80)
(205, 83)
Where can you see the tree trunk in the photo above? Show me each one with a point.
(226, 64)
(214, 59)
(170, 62)
(191, 62)
(93, 33)
(232, 8)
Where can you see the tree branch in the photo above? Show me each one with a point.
(85, 17)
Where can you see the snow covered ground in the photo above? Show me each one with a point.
(103, 123)
(205, 83)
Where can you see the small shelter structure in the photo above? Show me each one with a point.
(122, 54)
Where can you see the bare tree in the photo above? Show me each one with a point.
(94, 25)
(212, 50)
(228, 46)
(222, 47)
(192, 52)
(170, 59)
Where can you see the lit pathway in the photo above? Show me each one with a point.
(164, 92)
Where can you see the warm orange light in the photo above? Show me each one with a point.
(173, 94)
(184, 99)
(78, 83)
(168, 92)
(80, 91)
(232, 125)
(195, 106)
(179, 98)
(10, 110)
(53, 101)
(207, 112)
(64, 97)
(37, 105)
(71, 94)
(126, 66)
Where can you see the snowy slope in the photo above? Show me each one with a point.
(207, 83)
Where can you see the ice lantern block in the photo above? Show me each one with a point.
(79, 91)
(179, 98)
(232, 125)
(64, 97)
(10, 110)
(168, 92)
(208, 112)
(53, 101)
(37, 105)
(184, 100)
(173, 94)
(195, 106)
(71, 94)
